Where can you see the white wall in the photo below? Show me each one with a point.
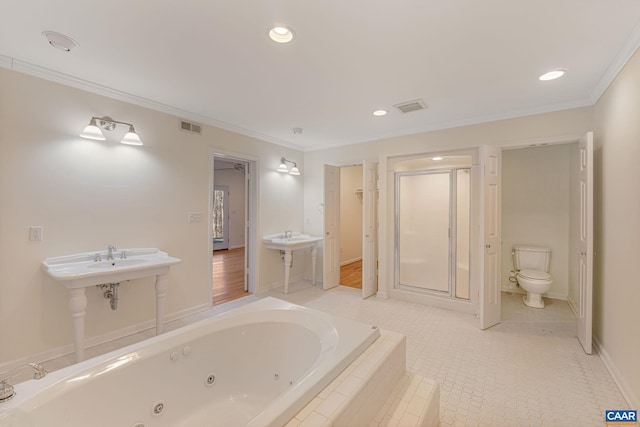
(224, 174)
(350, 214)
(617, 227)
(536, 196)
(88, 194)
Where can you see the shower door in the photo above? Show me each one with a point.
(432, 231)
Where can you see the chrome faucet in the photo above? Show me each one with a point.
(6, 389)
(110, 250)
(288, 234)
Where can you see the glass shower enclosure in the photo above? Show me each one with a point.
(432, 220)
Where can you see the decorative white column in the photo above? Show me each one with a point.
(162, 285)
(78, 306)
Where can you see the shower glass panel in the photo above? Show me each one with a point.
(463, 212)
(423, 229)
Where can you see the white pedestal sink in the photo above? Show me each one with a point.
(79, 271)
(289, 244)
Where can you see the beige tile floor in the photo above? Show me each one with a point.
(527, 371)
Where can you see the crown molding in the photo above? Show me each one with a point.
(77, 83)
(623, 56)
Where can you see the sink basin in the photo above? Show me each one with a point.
(81, 270)
(296, 241)
(115, 264)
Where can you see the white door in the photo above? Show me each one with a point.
(369, 228)
(489, 298)
(247, 186)
(220, 217)
(331, 254)
(585, 312)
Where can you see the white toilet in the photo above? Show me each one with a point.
(532, 266)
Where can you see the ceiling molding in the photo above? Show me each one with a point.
(475, 120)
(67, 80)
(623, 56)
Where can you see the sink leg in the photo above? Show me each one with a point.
(162, 285)
(287, 268)
(314, 256)
(78, 306)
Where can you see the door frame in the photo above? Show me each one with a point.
(252, 211)
(386, 233)
(371, 240)
(587, 297)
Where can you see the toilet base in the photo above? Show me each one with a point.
(533, 300)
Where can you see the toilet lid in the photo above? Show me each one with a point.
(534, 274)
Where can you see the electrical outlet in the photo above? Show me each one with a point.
(194, 217)
(35, 233)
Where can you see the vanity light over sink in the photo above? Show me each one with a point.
(107, 269)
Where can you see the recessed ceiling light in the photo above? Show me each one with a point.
(280, 34)
(436, 158)
(380, 113)
(552, 75)
(60, 41)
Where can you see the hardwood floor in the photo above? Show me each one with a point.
(351, 275)
(228, 275)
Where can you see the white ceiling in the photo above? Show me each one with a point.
(212, 62)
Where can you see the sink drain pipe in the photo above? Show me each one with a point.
(111, 294)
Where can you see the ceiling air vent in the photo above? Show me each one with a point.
(407, 107)
(190, 127)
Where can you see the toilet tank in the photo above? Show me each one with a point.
(531, 258)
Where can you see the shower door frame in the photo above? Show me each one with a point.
(452, 236)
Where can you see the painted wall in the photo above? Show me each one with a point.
(350, 214)
(617, 226)
(224, 174)
(536, 196)
(88, 194)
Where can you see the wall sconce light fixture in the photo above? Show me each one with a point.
(92, 130)
(284, 168)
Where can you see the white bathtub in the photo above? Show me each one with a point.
(257, 365)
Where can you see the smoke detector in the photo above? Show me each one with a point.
(60, 41)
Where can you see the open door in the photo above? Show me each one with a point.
(369, 228)
(331, 254)
(585, 312)
(489, 298)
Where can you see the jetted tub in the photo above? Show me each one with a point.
(257, 365)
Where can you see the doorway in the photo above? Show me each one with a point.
(543, 204)
(432, 221)
(351, 196)
(233, 202)
(367, 248)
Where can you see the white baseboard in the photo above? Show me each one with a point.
(102, 339)
(350, 261)
(631, 398)
(573, 307)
